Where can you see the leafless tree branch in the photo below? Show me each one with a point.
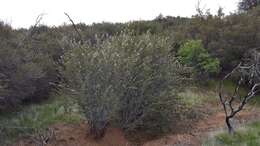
(32, 31)
(247, 72)
(74, 26)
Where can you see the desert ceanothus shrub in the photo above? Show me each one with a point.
(130, 80)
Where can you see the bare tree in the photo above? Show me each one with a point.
(74, 26)
(246, 73)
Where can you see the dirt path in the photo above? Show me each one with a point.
(203, 128)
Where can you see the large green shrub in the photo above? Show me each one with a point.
(193, 54)
(129, 79)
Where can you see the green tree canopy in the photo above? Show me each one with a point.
(193, 54)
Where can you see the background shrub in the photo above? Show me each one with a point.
(192, 53)
(27, 70)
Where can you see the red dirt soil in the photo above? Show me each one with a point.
(76, 135)
(202, 128)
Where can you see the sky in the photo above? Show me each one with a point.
(22, 13)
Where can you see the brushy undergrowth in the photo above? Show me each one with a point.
(195, 96)
(245, 136)
(37, 118)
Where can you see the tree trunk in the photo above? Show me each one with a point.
(230, 128)
(98, 129)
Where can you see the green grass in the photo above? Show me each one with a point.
(246, 136)
(197, 96)
(256, 101)
(37, 118)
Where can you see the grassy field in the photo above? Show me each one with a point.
(37, 118)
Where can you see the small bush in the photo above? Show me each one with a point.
(193, 54)
(129, 79)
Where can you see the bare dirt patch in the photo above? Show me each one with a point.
(76, 135)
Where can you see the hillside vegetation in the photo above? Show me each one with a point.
(146, 79)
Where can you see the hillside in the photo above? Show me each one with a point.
(169, 81)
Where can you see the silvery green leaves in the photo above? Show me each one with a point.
(127, 79)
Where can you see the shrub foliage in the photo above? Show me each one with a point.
(27, 68)
(131, 80)
(193, 54)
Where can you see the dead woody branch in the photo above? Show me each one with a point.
(247, 74)
(74, 26)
